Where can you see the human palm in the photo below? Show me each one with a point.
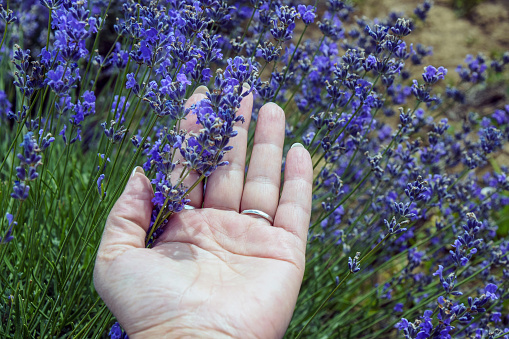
(214, 272)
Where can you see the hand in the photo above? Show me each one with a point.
(214, 272)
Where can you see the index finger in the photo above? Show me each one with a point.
(190, 125)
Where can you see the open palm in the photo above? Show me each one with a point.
(214, 272)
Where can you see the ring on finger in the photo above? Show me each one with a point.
(260, 214)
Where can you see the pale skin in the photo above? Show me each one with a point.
(214, 273)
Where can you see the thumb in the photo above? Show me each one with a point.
(129, 219)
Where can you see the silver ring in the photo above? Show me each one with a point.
(189, 207)
(259, 214)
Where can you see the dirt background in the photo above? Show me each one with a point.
(453, 36)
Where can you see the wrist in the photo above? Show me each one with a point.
(174, 333)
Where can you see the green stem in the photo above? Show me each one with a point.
(19, 132)
(320, 219)
(304, 76)
(3, 37)
(49, 28)
(289, 63)
(94, 47)
(341, 283)
(248, 24)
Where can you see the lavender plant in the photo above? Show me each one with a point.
(408, 237)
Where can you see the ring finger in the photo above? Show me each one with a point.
(261, 191)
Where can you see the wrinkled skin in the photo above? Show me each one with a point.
(213, 272)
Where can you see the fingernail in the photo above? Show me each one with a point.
(137, 169)
(201, 90)
(246, 86)
(297, 144)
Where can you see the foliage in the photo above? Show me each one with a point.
(465, 7)
(407, 237)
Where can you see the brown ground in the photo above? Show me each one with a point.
(485, 30)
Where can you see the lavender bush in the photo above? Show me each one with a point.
(408, 237)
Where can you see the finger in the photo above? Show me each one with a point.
(261, 191)
(224, 186)
(190, 125)
(294, 210)
(129, 219)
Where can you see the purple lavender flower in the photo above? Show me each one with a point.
(100, 185)
(378, 33)
(496, 317)
(20, 190)
(119, 107)
(432, 75)
(421, 93)
(402, 27)
(417, 190)
(29, 157)
(116, 332)
(419, 52)
(422, 10)
(60, 82)
(115, 134)
(131, 83)
(84, 108)
(268, 51)
(447, 282)
(8, 235)
(45, 142)
(353, 264)
(26, 78)
(394, 227)
(490, 290)
(398, 307)
(282, 28)
(347, 88)
(491, 139)
(51, 4)
(27, 171)
(7, 15)
(475, 71)
(70, 23)
(307, 13)
(5, 104)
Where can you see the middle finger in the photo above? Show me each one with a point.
(225, 184)
(261, 191)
